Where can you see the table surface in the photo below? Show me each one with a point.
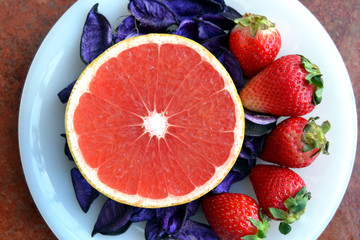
(24, 24)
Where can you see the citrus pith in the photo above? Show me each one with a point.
(154, 121)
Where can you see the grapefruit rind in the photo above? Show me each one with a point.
(81, 86)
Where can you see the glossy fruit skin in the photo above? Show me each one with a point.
(280, 89)
(273, 185)
(283, 145)
(227, 214)
(254, 54)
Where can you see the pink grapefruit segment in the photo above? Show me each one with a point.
(155, 121)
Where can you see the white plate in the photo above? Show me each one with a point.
(57, 63)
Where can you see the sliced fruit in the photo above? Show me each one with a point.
(154, 121)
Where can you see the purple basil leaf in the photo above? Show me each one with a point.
(244, 164)
(126, 28)
(256, 130)
(224, 19)
(153, 15)
(184, 8)
(217, 44)
(230, 13)
(259, 118)
(67, 149)
(188, 28)
(173, 218)
(231, 177)
(142, 214)
(211, 6)
(113, 218)
(96, 37)
(154, 230)
(85, 193)
(191, 208)
(230, 63)
(195, 230)
(252, 146)
(64, 94)
(207, 30)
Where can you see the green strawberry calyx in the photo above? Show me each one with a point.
(262, 225)
(314, 77)
(255, 22)
(295, 208)
(314, 136)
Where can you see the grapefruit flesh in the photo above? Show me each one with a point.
(155, 121)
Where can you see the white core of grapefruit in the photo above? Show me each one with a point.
(155, 123)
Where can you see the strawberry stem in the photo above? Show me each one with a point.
(314, 136)
(295, 208)
(314, 77)
(262, 226)
(255, 22)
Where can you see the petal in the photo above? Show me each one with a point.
(113, 218)
(85, 193)
(96, 36)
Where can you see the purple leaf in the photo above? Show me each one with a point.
(217, 44)
(96, 37)
(184, 9)
(67, 149)
(188, 28)
(230, 63)
(84, 192)
(211, 6)
(259, 118)
(256, 130)
(153, 15)
(126, 28)
(207, 30)
(113, 218)
(231, 177)
(191, 208)
(224, 19)
(64, 94)
(154, 230)
(142, 214)
(195, 230)
(173, 218)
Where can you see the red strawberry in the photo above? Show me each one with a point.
(255, 42)
(289, 86)
(234, 216)
(296, 142)
(281, 193)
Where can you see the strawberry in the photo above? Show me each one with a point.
(289, 86)
(281, 193)
(255, 42)
(296, 142)
(235, 216)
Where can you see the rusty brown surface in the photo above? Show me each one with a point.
(24, 24)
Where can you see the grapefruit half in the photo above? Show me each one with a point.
(154, 121)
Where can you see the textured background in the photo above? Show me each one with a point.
(23, 26)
